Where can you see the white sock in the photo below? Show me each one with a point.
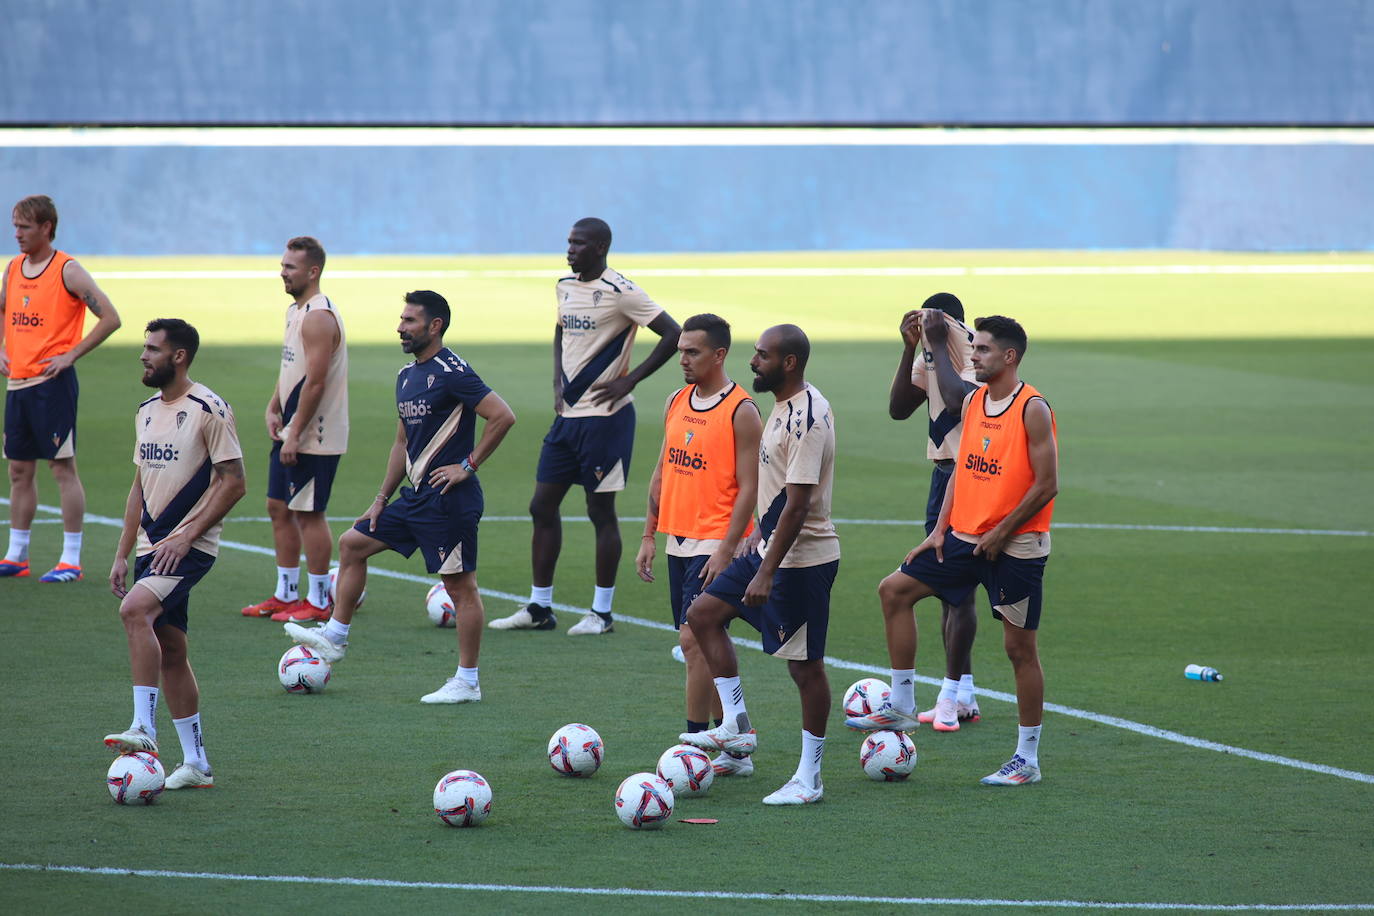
(319, 590)
(1028, 743)
(809, 767)
(288, 583)
(71, 548)
(949, 689)
(336, 632)
(731, 693)
(541, 595)
(468, 676)
(19, 546)
(904, 689)
(601, 599)
(966, 690)
(192, 742)
(145, 709)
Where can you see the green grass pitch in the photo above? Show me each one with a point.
(1210, 415)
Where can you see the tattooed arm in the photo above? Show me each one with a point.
(81, 285)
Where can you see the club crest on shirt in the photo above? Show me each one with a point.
(429, 382)
(26, 302)
(181, 418)
(690, 434)
(986, 443)
(596, 297)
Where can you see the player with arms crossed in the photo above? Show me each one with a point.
(307, 421)
(592, 436)
(782, 587)
(936, 370)
(190, 474)
(702, 497)
(438, 400)
(43, 303)
(994, 530)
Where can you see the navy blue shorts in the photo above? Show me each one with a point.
(173, 591)
(935, 499)
(684, 584)
(592, 451)
(40, 420)
(443, 528)
(794, 620)
(306, 485)
(1014, 586)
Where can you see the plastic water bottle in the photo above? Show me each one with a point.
(1201, 673)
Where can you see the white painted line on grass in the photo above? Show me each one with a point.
(685, 894)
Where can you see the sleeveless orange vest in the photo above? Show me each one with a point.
(699, 484)
(993, 470)
(42, 319)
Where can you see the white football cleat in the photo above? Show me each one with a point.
(187, 776)
(523, 619)
(455, 690)
(314, 637)
(132, 740)
(886, 718)
(730, 765)
(1015, 772)
(678, 656)
(724, 739)
(591, 625)
(796, 792)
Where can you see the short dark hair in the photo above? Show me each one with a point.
(314, 251)
(40, 209)
(792, 341)
(434, 305)
(947, 303)
(717, 329)
(180, 335)
(598, 229)
(1006, 331)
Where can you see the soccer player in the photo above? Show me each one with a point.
(190, 474)
(43, 303)
(438, 400)
(993, 529)
(593, 433)
(935, 370)
(782, 587)
(702, 497)
(307, 421)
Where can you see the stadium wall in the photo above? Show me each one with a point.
(146, 200)
(948, 62)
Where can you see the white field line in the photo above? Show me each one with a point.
(411, 137)
(687, 894)
(1064, 270)
(843, 664)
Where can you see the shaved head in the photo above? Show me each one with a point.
(597, 230)
(789, 340)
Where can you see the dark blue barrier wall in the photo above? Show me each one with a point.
(689, 61)
(161, 200)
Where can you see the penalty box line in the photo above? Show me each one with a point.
(1139, 728)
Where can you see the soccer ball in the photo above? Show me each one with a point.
(135, 779)
(440, 607)
(865, 696)
(643, 801)
(686, 770)
(333, 579)
(576, 750)
(887, 756)
(302, 671)
(462, 799)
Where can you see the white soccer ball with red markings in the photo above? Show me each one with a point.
(576, 750)
(686, 770)
(865, 696)
(887, 756)
(439, 606)
(644, 801)
(301, 670)
(333, 579)
(135, 779)
(462, 799)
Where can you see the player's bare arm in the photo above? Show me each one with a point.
(935, 331)
(227, 486)
(497, 419)
(784, 535)
(648, 543)
(903, 398)
(1044, 460)
(748, 431)
(4, 356)
(668, 332)
(558, 369)
(319, 339)
(936, 539)
(391, 479)
(81, 285)
(128, 535)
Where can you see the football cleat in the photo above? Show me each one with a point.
(132, 740)
(187, 776)
(678, 656)
(62, 572)
(796, 792)
(16, 568)
(304, 612)
(722, 739)
(946, 718)
(730, 765)
(272, 605)
(885, 718)
(968, 712)
(591, 625)
(525, 619)
(314, 637)
(455, 690)
(1015, 772)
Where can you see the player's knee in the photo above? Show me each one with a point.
(704, 615)
(543, 511)
(602, 514)
(351, 547)
(1020, 646)
(277, 511)
(894, 593)
(21, 472)
(63, 470)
